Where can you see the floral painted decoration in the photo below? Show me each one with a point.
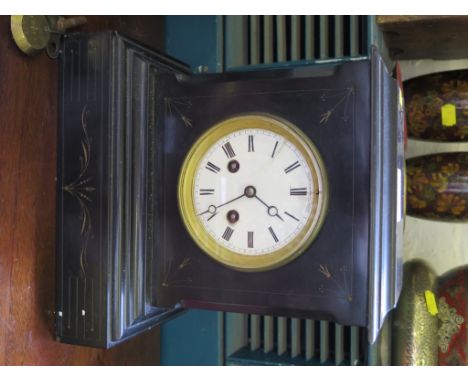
(424, 98)
(437, 186)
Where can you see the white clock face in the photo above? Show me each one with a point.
(254, 191)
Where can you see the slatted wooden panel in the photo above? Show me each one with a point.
(296, 340)
(253, 40)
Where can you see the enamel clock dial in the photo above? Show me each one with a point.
(253, 192)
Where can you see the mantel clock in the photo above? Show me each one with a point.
(272, 192)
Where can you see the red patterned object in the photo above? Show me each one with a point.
(453, 314)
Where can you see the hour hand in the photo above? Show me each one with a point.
(272, 210)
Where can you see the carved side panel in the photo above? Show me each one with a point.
(80, 189)
(106, 207)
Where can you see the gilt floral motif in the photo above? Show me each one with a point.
(452, 304)
(450, 324)
(81, 189)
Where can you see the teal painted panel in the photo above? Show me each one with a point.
(196, 337)
(196, 40)
(193, 339)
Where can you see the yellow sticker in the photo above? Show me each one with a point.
(431, 302)
(448, 113)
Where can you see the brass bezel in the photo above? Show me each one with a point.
(194, 225)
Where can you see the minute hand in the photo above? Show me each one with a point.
(221, 205)
(230, 201)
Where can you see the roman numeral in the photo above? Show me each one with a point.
(295, 165)
(274, 150)
(275, 238)
(228, 150)
(250, 239)
(213, 168)
(291, 216)
(251, 144)
(206, 191)
(227, 233)
(298, 191)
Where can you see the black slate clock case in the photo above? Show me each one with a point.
(125, 261)
(330, 105)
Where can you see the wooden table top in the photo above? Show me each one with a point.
(28, 129)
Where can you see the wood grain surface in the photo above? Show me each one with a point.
(28, 129)
(417, 37)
